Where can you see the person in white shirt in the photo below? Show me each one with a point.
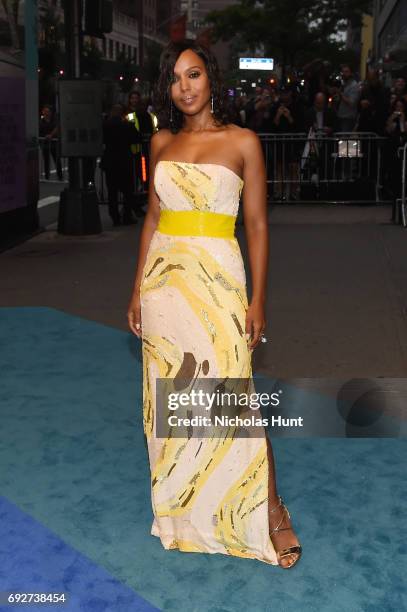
(348, 101)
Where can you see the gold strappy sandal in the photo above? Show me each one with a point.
(292, 550)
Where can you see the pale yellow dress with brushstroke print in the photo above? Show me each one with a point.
(208, 495)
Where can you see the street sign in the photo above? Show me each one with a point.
(256, 63)
(80, 118)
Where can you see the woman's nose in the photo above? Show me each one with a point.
(184, 84)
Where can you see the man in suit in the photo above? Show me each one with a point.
(119, 136)
(320, 116)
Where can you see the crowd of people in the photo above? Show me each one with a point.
(316, 102)
(333, 105)
(328, 106)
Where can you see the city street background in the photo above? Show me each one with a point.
(323, 83)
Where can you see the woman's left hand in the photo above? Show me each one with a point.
(255, 323)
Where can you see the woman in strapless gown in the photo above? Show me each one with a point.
(209, 493)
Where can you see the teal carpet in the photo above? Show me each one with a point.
(76, 513)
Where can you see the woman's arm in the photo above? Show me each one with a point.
(277, 116)
(256, 228)
(158, 140)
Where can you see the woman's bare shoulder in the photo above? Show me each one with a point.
(245, 140)
(160, 139)
(241, 135)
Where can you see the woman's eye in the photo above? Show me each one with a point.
(195, 75)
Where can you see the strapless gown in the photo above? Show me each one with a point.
(208, 495)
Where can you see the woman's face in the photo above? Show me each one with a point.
(190, 88)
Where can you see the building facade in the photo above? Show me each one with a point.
(390, 35)
(196, 11)
(122, 42)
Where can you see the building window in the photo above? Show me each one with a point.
(393, 29)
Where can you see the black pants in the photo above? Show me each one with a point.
(116, 184)
(49, 148)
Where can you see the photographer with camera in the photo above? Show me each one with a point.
(346, 99)
(259, 109)
(287, 118)
(396, 125)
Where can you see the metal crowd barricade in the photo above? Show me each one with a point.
(50, 160)
(100, 182)
(300, 167)
(400, 209)
(315, 166)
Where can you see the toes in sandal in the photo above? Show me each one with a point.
(291, 550)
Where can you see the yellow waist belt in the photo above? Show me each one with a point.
(196, 223)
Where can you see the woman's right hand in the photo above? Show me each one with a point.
(134, 314)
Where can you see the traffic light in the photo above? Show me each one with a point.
(98, 17)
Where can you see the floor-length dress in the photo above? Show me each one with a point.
(210, 494)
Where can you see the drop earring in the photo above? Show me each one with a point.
(212, 103)
(171, 117)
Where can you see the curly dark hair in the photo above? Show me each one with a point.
(161, 95)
